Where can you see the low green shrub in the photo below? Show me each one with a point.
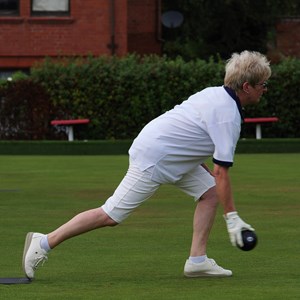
(120, 147)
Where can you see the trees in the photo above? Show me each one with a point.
(220, 27)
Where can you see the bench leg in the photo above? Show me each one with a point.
(258, 131)
(70, 133)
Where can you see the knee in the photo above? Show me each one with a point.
(105, 219)
(210, 197)
(110, 222)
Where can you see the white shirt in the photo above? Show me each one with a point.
(207, 123)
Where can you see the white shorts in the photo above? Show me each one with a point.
(137, 186)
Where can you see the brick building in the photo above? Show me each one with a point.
(288, 37)
(33, 29)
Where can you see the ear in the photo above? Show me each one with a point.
(246, 86)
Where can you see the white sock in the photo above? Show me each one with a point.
(44, 243)
(198, 259)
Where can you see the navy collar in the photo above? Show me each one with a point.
(233, 95)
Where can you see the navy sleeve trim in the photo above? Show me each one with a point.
(222, 163)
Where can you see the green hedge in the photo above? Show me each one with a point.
(101, 147)
(120, 147)
(121, 95)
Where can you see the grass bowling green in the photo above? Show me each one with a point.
(143, 258)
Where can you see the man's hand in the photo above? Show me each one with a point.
(235, 226)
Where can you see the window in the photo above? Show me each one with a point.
(9, 7)
(50, 7)
(6, 74)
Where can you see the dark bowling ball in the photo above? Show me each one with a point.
(249, 239)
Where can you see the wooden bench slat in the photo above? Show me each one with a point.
(70, 122)
(261, 120)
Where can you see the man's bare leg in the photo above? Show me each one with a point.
(81, 223)
(199, 265)
(203, 221)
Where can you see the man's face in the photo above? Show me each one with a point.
(256, 91)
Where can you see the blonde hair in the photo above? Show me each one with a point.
(248, 66)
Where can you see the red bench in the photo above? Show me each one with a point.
(69, 125)
(258, 122)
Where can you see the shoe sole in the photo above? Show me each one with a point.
(195, 275)
(26, 247)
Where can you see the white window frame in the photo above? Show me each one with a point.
(50, 7)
